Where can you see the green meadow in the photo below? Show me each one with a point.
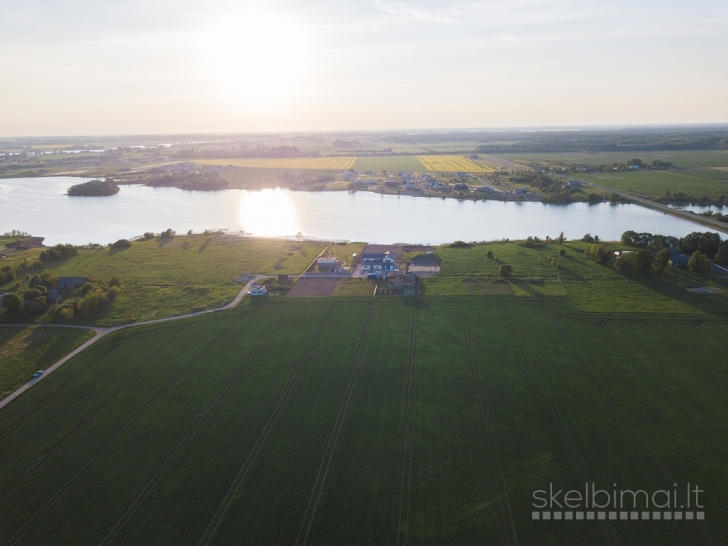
(351, 420)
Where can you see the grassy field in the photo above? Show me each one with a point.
(391, 163)
(333, 163)
(656, 183)
(369, 421)
(692, 159)
(25, 350)
(163, 277)
(254, 178)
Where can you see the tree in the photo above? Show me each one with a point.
(721, 256)
(588, 238)
(661, 260)
(599, 253)
(121, 243)
(706, 243)
(504, 270)
(561, 238)
(643, 262)
(699, 263)
(14, 305)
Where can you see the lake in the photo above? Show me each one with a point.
(39, 206)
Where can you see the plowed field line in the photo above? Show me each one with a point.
(132, 508)
(111, 441)
(310, 513)
(606, 529)
(406, 472)
(506, 514)
(224, 505)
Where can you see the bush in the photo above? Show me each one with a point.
(489, 254)
(168, 234)
(459, 244)
(661, 260)
(66, 313)
(504, 270)
(148, 235)
(121, 243)
(58, 253)
(562, 252)
(7, 274)
(721, 256)
(14, 305)
(588, 238)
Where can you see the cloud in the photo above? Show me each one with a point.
(407, 10)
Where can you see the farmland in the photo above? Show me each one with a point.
(451, 163)
(391, 163)
(657, 183)
(369, 421)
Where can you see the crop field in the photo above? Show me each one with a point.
(391, 163)
(330, 163)
(684, 159)
(370, 421)
(656, 183)
(451, 163)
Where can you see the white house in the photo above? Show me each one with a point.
(258, 290)
(329, 265)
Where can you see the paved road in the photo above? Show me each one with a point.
(101, 332)
(718, 226)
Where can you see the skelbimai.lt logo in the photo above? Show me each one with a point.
(592, 503)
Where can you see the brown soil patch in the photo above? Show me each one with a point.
(307, 286)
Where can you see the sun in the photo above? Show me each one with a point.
(256, 57)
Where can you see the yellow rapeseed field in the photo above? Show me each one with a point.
(333, 163)
(451, 163)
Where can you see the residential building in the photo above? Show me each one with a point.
(71, 282)
(374, 262)
(258, 290)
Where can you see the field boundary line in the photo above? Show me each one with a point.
(227, 499)
(310, 513)
(111, 441)
(102, 331)
(406, 472)
(89, 417)
(651, 453)
(506, 513)
(607, 530)
(665, 388)
(161, 471)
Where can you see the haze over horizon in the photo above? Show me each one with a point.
(83, 68)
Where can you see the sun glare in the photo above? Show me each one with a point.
(257, 58)
(268, 213)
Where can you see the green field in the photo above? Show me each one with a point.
(25, 350)
(162, 277)
(656, 183)
(690, 159)
(393, 163)
(369, 421)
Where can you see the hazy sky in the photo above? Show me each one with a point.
(152, 66)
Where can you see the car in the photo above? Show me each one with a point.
(38, 373)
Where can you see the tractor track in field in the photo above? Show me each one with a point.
(62, 388)
(310, 513)
(89, 417)
(152, 482)
(406, 472)
(506, 513)
(224, 505)
(680, 404)
(606, 529)
(112, 440)
(661, 466)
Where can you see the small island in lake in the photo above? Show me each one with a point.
(94, 188)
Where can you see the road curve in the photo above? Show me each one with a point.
(101, 332)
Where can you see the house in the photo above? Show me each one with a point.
(460, 187)
(258, 290)
(71, 282)
(410, 184)
(678, 260)
(403, 283)
(634, 167)
(571, 184)
(284, 278)
(521, 191)
(460, 173)
(486, 189)
(373, 262)
(368, 173)
(391, 183)
(329, 265)
(474, 156)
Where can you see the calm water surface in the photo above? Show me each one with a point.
(39, 206)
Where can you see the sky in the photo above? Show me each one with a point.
(81, 67)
